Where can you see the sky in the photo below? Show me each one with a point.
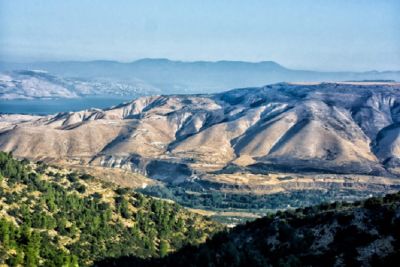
(333, 35)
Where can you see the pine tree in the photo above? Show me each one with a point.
(5, 232)
(32, 250)
(164, 248)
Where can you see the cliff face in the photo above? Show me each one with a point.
(342, 128)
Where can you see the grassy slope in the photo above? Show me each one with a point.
(53, 217)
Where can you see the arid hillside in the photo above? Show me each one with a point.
(314, 128)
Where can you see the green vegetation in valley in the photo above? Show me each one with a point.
(206, 195)
(54, 217)
(363, 233)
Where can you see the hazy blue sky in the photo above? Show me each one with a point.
(318, 34)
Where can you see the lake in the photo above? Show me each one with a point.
(50, 106)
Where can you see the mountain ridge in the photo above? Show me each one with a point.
(303, 127)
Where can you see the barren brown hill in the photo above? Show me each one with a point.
(336, 128)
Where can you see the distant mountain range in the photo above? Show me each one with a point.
(150, 76)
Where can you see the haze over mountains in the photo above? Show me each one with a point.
(342, 128)
(38, 84)
(156, 76)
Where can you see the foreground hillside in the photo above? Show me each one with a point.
(337, 234)
(55, 217)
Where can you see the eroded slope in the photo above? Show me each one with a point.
(322, 127)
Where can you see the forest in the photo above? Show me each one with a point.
(52, 216)
(362, 233)
(55, 217)
(207, 195)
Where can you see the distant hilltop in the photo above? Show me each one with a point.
(376, 81)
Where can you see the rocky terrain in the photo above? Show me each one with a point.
(244, 137)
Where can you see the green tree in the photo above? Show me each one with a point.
(5, 232)
(164, 248)
(32, 250)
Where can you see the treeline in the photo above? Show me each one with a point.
(52, 217)
(363, 233)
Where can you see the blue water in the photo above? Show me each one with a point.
(43, 107)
